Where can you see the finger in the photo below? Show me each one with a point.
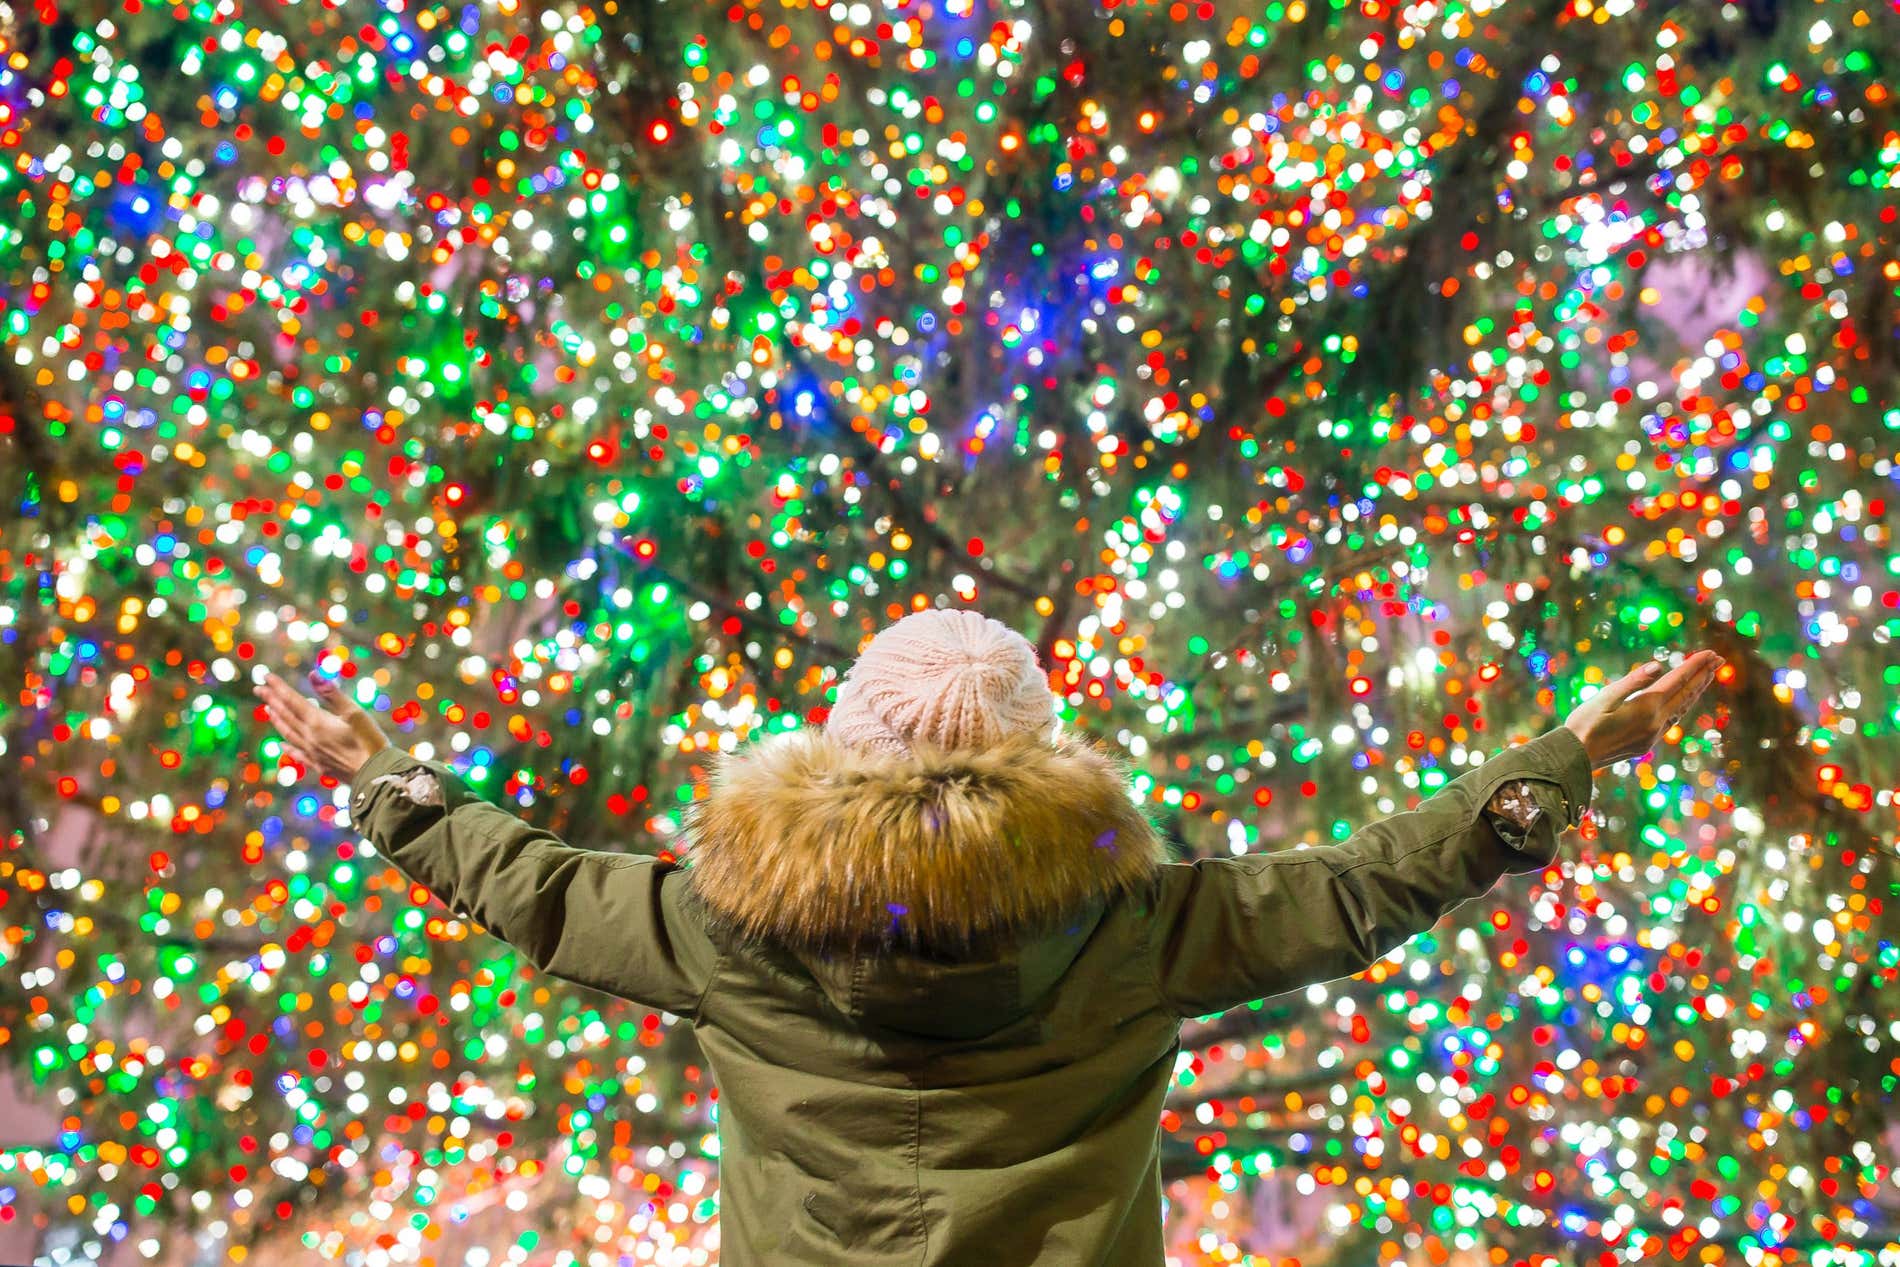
(282, 709)
(331, 695)
(1686, 695)
(1666, 686)
(1633, 681)
(281, 719)
(271, 691)
(1703, 672)
(272, 701)
(1692, 690)
(288, 701)
(294, 734)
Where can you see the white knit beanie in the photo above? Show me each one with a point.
(955, 678)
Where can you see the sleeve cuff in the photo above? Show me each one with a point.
(1561, 780)
(365, 791)
(1559, 754)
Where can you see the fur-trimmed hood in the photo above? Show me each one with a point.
(817, 846)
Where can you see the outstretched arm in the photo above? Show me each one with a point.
(1226, 931)
(621, 923)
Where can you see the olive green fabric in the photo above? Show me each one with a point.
(885, 1108)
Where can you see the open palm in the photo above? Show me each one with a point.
(334, 738)
(1631, 715)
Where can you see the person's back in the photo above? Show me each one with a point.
(934, 953)
(931, 1101)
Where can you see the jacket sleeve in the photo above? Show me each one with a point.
(621, 923)
(1226, 931)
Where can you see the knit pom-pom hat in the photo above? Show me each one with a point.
(958, 679)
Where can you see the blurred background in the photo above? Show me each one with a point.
(1336, 390)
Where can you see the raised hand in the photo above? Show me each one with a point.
(1630, 716)
(334, 739)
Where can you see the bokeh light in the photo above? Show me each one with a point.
(1337, 389)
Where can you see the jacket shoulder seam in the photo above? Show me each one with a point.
(615, 860)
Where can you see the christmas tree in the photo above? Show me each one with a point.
(1336, 391)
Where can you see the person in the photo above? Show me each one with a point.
(936, 957)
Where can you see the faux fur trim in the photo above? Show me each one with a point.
(814, 844)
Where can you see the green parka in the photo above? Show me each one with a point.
(942, 995)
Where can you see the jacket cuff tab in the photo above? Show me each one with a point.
(362, 784)
(1537, 846)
